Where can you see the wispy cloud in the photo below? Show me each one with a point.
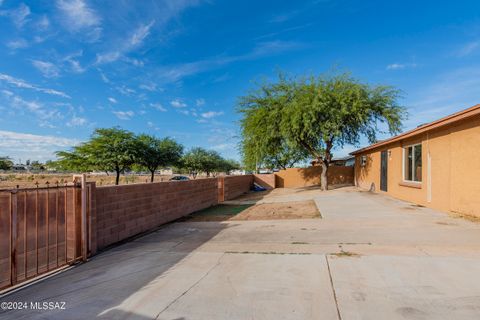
(77, 15)
(48, 69)
(23, 84)
(74, 63)
(135, 40)
(177, 103)
(200, 102)
(262, 49)
(211, 114)
(21, 107)
(140, 34)
(123, 115)
(30, 146)
(468, 49)
(17, 44)
(18, 15)
(43, 23)
(448, 93)
(149, 86)
(77, 122)
(158, 106)
(399, 66)
(112, 100)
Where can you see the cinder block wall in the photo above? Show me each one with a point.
(235, 186)
(265, 180)
(124, 211)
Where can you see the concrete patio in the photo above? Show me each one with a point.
(369, 257)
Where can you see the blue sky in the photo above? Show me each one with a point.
(177, 67)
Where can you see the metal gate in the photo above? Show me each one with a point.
(41, 230)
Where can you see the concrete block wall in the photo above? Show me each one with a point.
(234, 186)
(124, 211)
(265, 180)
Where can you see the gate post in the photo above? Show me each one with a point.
(13, 237)
(83, 214)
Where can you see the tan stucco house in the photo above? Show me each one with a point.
(436, 164)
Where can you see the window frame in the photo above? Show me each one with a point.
(404, 149)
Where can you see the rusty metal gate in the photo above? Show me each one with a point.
(41, 230)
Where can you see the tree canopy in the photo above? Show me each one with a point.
(154, 153)
(201, 160)
(315, 115)
(6, 163)
(111, 149)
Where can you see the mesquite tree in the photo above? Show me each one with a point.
(316, 115)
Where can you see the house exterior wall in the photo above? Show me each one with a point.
(450, 179)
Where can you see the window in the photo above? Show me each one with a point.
(363, 161)
(412, 163)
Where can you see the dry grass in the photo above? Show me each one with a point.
(28, 180)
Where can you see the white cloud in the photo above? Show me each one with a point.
(23, 84)
(140, 34)
(18, 15)
(211, 114)
(177, 103)
(107, 57)
(124, 115)
(43, 115)
(74, 63)
(148, 86)
(200, 102)
(125, 90)
(135, 40)
(17, 44)
(48, 69)
(29, 146)
(77, 15)
(398, 66)
(76, 122)
(112, 100)
(158, 107)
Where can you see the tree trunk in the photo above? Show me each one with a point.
(152, 177)
(117, 178)
(323, 176)
(325, 163)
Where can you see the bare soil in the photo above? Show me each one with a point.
(264, 211)
(29, 180)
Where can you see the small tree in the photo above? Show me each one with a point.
(112, 149)
(194, 161)
(227, 165)
(155, 153)
(5, 163)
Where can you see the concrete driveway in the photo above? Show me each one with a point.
(370, 257)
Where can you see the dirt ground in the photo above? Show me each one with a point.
(28, 180)
(264, 211)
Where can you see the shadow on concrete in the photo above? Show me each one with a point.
(96, 288)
